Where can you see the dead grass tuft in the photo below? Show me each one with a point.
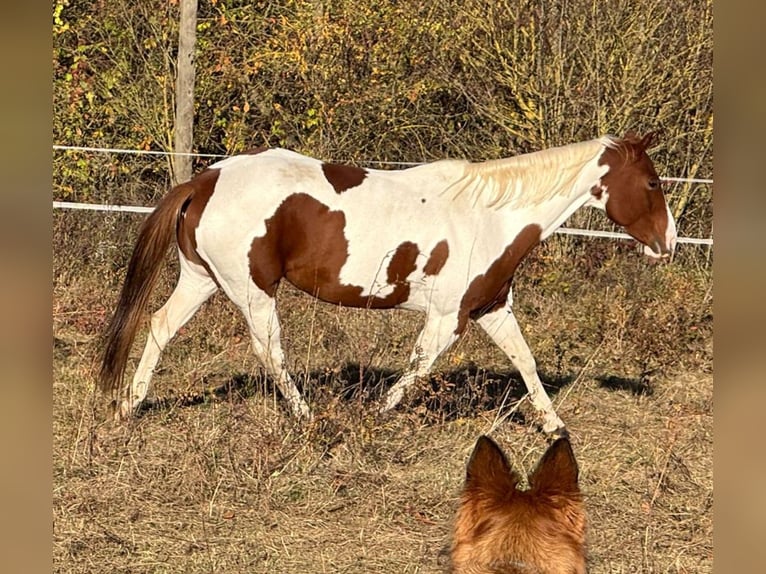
(217, 477)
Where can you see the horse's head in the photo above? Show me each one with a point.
(500, 528)
(631, 193)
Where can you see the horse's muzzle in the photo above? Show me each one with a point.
(659, 251)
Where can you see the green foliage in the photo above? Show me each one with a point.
(112, 87)
(396, 81)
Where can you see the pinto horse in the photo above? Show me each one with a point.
(444, 238)
(501, 529)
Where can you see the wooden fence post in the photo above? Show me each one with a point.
(183, 128)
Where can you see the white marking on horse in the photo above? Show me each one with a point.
(444, 238)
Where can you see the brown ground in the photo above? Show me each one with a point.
(218, 478)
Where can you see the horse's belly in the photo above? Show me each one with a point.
(332, 291)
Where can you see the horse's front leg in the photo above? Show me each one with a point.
(437, 336)
(502, 327)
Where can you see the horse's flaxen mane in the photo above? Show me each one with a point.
(528, 179)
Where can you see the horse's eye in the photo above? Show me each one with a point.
(654, 183)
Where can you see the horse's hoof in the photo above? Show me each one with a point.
(121, 411)
(113, 411)
(302, 414)
(384, 413)
(559, 432)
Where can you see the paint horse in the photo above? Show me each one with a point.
(444, 238)
(502, 529)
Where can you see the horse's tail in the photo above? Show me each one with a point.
(156, 236)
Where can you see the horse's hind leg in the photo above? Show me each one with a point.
(502, 327)
(260, 311)
(194, 288)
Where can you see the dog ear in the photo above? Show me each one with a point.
(488, 468)
(557, 470)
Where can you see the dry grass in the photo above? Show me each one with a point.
(218, 478)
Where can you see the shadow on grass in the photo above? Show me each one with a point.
(444, 396)
(637, 387)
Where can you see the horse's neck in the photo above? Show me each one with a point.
(550, 179)
(554, 213)
(555, 210)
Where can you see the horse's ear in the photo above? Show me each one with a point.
(557, 470)
(488, 468)
(630, 135)
(647, 140)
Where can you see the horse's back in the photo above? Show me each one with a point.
(373, 207)
(345, 234)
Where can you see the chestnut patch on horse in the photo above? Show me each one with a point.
(636, 201)
(402, 263)
(489, 291)
(304, 242)
(256, 151)
(343, 177)
(437, 259)
(597, 191)
(191, 212)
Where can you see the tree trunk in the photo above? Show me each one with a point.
(184, 120)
